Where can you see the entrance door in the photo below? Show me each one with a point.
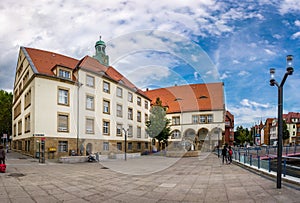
(89, 149)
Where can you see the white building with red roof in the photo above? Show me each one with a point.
(76, 105)
(197, 113)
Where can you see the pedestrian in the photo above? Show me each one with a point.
(230, 152)
(2, 155)
(224, 154)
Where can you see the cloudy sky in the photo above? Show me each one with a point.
(162, 43)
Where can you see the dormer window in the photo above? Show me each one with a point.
(64, 74)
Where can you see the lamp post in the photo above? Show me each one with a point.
(125, 150)
(273, 82)
(78, 97)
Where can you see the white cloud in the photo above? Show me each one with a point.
(297, 23)
(288, 6)
(253, 104)
(268, 51)
(277, 36)
(243, 73)
(224, 76)
(296, 35)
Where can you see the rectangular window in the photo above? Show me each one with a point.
(106, 87)
(139, 101)
(130, 114)
(119, 129)
(119, 92)
(64, 74)
(202, 118)
(139, 116)
(146, 105)
(89, 123)
(62, 146)
(63, 96)
(119, 146)
(139, 146)
(63, 123)
(130, 97)
(195, 119)
(119, 110)
(176, 120)
(209, 118)
(129, 145)
(90, 102)
(106, 106)
(105, 146)
(146, 145)
(130, 129)
(139, 132)
(90, 81)
(15, 130)
(106, 127)
(146, 117)
(27, 99)
(17, 110)
(19, 127)
(27, 123)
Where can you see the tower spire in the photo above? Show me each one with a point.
(100, 52)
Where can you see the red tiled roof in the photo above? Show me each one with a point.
(194, 97)
(288, 117)
(92, 64)
(44, 61)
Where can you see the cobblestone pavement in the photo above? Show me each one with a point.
(201, 179)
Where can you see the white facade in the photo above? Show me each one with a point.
(72, 109)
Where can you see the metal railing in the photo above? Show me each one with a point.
(266, 158)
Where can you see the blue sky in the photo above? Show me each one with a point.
(170, 42)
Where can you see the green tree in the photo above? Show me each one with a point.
(242, 135)
(158, 125)
(6, 99)
(285, 132)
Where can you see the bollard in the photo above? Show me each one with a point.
(295, 149)
(239, 156)
(250, 159)
(269, 164)
(258, 162)
(244, 158)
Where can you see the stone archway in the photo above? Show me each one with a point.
(189, 139)
(201, 137)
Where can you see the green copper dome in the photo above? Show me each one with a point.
(100, 42)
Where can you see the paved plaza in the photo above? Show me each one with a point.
(145, 179)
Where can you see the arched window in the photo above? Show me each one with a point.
(176, 134)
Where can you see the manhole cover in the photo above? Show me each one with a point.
(16, 175)
(22, 158)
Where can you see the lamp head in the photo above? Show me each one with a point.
(289, 64)
(272, 76)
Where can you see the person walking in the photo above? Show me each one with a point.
(224, 154)
(2, 155)
(230, 152)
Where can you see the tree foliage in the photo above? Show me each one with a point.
(5, 112)
(285, 132)
(158, 125)
(242, 135)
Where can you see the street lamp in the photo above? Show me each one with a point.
(289, 71)
(125, 131)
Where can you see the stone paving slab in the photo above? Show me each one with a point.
(146, 179)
